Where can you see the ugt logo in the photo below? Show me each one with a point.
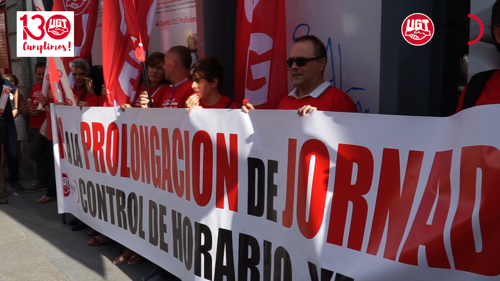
(417, 29)
(76, 6)
(45, 34)
(57, 27)
(66, 185)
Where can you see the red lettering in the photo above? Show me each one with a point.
(112, 146)
(344, 191)
(86, 134)
(227, 171)
(202, 197)
(178, 154)
(155, 159)
(187, 166)
(135, 153)
(481, 260)
(393, 204)
(313, 156)
(98, 139)
(145, 164)
(290, 183)
(166, 182)
(427, 230)
(124, 169)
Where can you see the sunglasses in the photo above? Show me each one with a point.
(300, 61)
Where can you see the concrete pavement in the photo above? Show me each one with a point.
(36, 245)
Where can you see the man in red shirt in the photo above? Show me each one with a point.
(306, 66)
(38, 141)
(79, 69)
(177, 63)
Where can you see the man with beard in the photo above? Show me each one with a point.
(306, 65)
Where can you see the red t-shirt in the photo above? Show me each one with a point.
(332, 99)
(489, 95)
(94, 100)
(157, 93)
(177, 96)
(36, 121)
(224, 102)
(78, 93)
(83, 94)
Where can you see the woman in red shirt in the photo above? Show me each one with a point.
(208, 76)
(94, 81)
(156, 79)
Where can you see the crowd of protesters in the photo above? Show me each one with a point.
(173, 81)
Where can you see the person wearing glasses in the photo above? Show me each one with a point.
(306, 66)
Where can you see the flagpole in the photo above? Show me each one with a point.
(146, 83)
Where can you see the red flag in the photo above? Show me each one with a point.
(125, 35)
(85, 12)
(260, 71)
(59, 83)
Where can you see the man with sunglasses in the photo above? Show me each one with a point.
(306, 66)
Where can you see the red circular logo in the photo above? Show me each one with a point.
(417, 29)
(66, 185)
(76, 6)
(58, 27)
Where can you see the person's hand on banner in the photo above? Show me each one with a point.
(124, 106)
(306, 109)
(82, 104)
(246, 106)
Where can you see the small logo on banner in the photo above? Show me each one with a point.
(66, 185)
(417, 29)
(45, 34)
(77, 6)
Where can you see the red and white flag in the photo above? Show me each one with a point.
(260, 71)
(126, 26)
(85, 12)
(58, 79)
(59, 83)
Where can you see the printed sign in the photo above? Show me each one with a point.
(4, 97)
(45, 34)
(417, 29)
(224, 195)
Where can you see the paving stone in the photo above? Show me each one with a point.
(33, 272)
(15, 255)
(73, 270)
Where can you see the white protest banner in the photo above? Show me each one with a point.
(220, 195)
(45, 34)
